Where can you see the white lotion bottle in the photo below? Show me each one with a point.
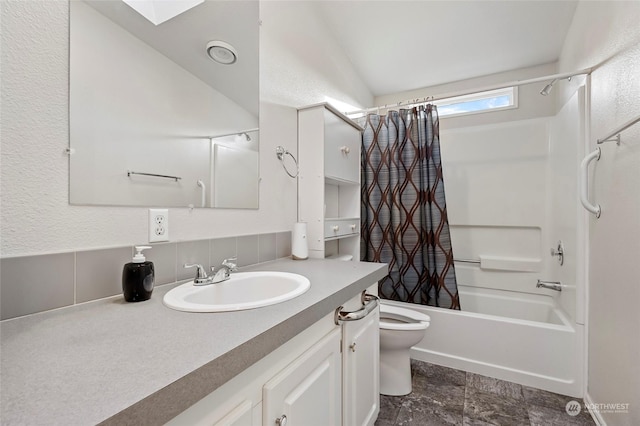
(299, 245)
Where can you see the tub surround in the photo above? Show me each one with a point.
(129, 363)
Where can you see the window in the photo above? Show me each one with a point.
(492, 100)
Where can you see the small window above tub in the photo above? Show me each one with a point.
(491, 100)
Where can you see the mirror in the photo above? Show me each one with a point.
(154, 121)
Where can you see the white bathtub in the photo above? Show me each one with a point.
(523, 338)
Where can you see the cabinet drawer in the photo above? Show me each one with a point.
(334, 228)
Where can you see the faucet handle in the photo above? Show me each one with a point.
(200, 272)
(231, 263)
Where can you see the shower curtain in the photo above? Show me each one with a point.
(404, 215)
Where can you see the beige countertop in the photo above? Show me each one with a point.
(143, 363)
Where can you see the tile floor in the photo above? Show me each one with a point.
(444, 396)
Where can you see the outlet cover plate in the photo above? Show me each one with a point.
(158, 225)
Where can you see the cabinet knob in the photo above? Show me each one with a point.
(336, 228)
(352, 347)
(353, 227)
(282, 420)
(345, 149)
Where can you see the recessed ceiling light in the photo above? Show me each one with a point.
(222, 52)
(159, 11)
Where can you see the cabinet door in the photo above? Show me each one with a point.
(361, 370)
(308, 392)
(341, 149)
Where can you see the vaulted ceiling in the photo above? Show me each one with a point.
(404, 45)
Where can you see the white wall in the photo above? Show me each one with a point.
(607, 34)
(36, 216)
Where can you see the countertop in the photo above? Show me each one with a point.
(142, 363)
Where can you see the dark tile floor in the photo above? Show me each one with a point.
(444, 396)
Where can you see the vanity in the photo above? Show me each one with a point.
(113, 362)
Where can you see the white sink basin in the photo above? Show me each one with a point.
(244, 290)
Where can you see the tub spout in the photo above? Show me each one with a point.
(551, 285)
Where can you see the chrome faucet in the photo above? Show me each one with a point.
(224, 272)
(551, 285)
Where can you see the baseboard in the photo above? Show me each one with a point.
(597, 417)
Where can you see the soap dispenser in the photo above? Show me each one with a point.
(138, 277)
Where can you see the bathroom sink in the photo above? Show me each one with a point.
(244, 290)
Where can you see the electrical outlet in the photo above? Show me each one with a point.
(158, 225)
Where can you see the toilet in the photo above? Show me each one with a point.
(400, 329)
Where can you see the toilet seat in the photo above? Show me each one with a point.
(402, 318)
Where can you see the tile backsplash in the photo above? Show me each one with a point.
(31, 284)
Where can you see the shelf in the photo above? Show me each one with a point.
(342, 218)
(340, 237)
(339, 182)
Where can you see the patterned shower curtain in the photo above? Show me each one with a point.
(404, 214)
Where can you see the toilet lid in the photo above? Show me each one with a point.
(396, 318)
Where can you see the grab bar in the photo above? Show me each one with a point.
(551, 285)
(616, 132)
(369, 303)
(584, 182)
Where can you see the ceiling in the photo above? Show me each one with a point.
(394, 45)
(399, 45)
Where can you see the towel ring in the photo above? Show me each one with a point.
(280, 153)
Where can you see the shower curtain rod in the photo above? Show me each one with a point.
(417, 101)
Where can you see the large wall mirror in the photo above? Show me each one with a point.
(154, 120)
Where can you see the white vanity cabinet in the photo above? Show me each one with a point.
(361, 371)
(239, 402)
(361, 363)
(329, 181)
(307, 392)
(328, 375)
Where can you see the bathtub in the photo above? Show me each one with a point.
(519, 337)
